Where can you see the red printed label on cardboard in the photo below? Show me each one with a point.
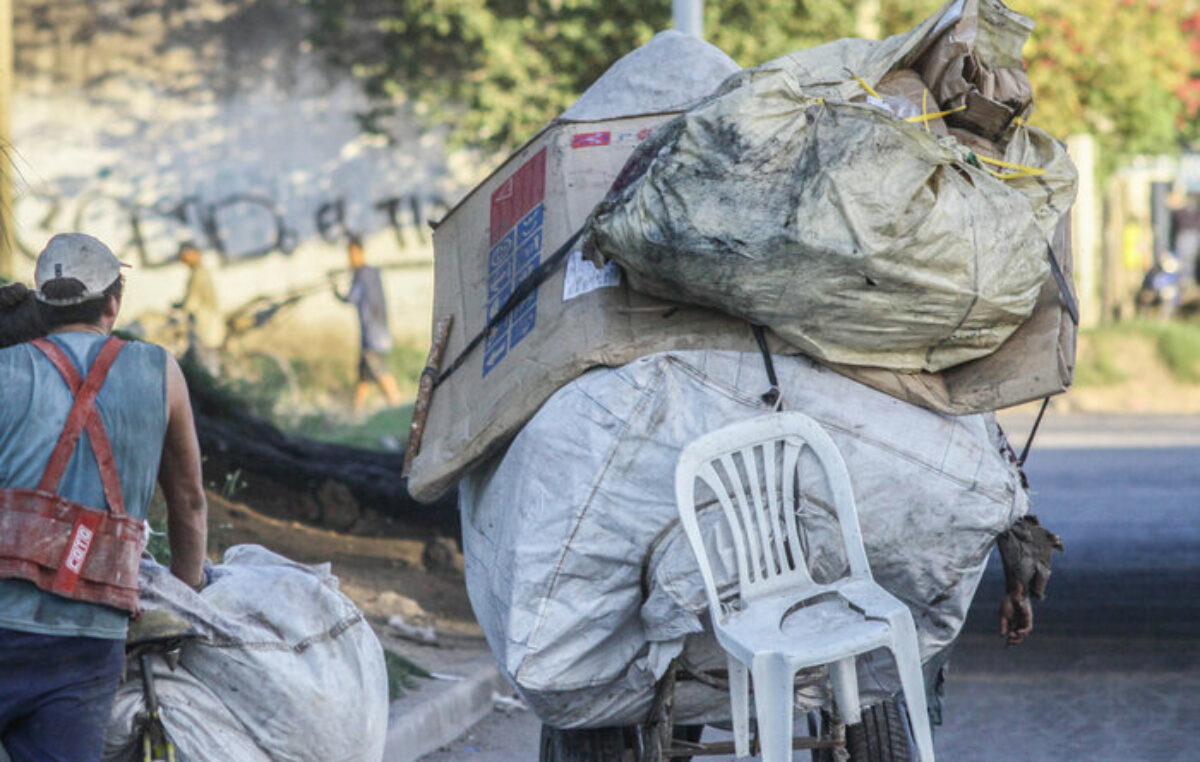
(590, 139)
(518, 195)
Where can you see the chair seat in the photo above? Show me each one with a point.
(822, 630)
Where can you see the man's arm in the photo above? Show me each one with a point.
(352, 293)
(187, 302)
(1026, 549)
(179, 476)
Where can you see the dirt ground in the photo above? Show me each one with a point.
(383, 574)
(1147, 387)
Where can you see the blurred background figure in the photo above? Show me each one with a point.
(1161, 287)
(366, 294)
(206, 327)
(1185, 239)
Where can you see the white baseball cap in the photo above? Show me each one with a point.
(78, 256)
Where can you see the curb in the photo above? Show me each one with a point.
(435, 723)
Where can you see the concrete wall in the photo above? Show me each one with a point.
(150, 122)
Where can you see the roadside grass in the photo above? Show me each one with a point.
(407, 361)
(1096, 362)
(335, 376)
(1105, 360)
(384, 430)
(315, 403)
(1179, 347)
(324, 380)
(400, 673)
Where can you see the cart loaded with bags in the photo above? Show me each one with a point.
(705, 341)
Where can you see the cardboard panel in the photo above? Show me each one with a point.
(580, 317)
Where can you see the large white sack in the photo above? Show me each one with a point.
(637, 84)
(862, 239)
(585, 587)
(290, 658)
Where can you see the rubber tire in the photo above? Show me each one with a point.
(881, 736)
(583, 745)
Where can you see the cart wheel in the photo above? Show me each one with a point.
(585, 745)
(881, 736)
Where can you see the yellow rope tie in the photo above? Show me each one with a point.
(927, 118)
(1020, 169)
(870, 90)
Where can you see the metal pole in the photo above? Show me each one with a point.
(689, 16)
(7, 240)
(866, 19)
(1084, 228)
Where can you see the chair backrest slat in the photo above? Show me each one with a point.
(774, 503)
(748, 536)
(767, 560)
(709, 475)
(763, 525)
(790, 460)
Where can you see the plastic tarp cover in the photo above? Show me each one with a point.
(637, 84)
(287, 669)
(586, 588)
(794, 200)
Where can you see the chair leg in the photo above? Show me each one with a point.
(739, 705)
(773, 699)
(844, 676)
(908, 665)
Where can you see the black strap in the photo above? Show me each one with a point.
(526, 287)
(1033, 433)
(1064, 289)
(771, 396)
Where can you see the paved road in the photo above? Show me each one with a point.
(1113, 668)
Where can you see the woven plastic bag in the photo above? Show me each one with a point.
(797, 198)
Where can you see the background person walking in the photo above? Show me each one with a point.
(366, 294)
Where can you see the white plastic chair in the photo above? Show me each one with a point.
(786, 621)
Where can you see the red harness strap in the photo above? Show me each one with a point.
(97, 560)
(84, 415)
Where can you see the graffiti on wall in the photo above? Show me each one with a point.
(239, 227)
(408, 217)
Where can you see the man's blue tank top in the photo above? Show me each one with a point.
(34, 402)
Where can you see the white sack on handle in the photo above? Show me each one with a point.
(585, 587)
(292, 660)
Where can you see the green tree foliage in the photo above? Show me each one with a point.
(500, 69)
(497, 70)
(1190, 92)
(754, 31)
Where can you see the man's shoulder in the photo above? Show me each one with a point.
(13, 352)
(147, 351)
